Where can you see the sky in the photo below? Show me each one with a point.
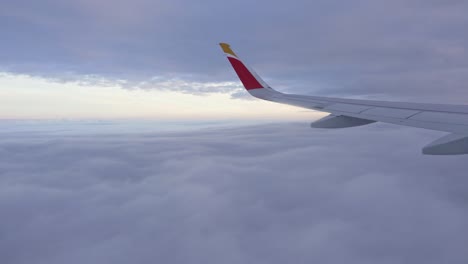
(59, 59)
(126, 137)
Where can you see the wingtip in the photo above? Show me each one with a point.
(227, 49)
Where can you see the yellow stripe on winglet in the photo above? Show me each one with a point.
(227, 49)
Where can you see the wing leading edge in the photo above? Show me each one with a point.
(355, 112)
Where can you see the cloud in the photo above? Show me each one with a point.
(266, 194)
(394, 49)
(190, 87)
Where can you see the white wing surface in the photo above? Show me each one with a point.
(354, 112)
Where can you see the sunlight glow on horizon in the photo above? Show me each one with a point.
(28, 97)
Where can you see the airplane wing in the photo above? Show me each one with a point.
(355, 112)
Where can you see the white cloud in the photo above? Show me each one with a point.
(25, 96)
(264, 194)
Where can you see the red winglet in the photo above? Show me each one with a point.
(248, 80)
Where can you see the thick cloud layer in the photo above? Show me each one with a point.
(400, 48)
(280, 193)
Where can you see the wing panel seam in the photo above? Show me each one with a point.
(419, 112)
(371, 107)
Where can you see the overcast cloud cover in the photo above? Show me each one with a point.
(368, 48)
(278, 193)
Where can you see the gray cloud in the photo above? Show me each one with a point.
(394, 49)
(265, 194)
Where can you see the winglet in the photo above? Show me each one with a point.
(227, 49)
(248, 77)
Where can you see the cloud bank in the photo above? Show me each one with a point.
(278, 193)
(400, 49)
